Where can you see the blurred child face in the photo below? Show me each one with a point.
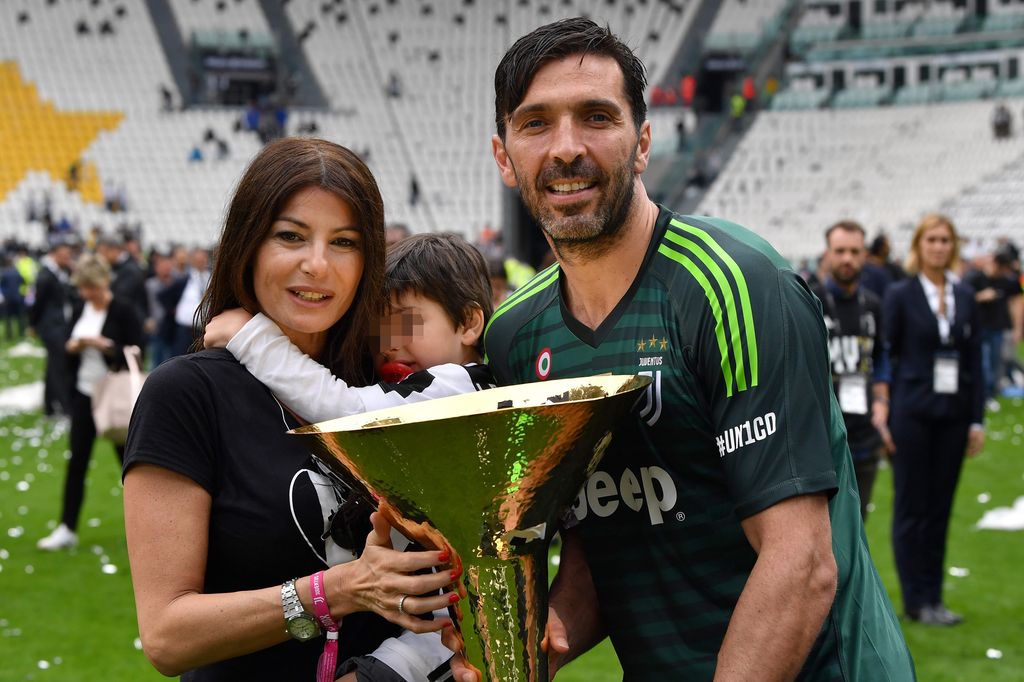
(418, 333)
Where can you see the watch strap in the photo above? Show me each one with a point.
(326, 668)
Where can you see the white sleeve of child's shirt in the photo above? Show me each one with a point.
(299, 381)
(316, 395)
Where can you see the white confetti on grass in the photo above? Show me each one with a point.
(137, 644)
(43, 665)
(958, 572)
(984, 498)
(109, 569)
(994, 654)
(15, 532)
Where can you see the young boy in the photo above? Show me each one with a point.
(440, 295)
(440, 302)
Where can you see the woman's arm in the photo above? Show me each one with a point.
(166, 523)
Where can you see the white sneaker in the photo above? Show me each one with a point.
(62, 537)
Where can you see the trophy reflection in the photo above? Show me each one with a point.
(486, 474)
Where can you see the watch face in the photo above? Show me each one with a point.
(303, 628)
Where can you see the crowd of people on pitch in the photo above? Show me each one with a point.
(917, 353)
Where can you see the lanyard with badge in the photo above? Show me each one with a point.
(851, 387)
(946, 368)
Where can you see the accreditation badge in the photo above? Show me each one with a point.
(947, 373)
(853, 393)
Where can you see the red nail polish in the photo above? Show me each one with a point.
(453, 597)
(443, 556)
(455, 575)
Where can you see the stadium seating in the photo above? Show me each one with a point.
(439, 66)
(740, 25)
(797, 172)
(97, 99)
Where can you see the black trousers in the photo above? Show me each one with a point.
(55, 383)
(926, 468)
(82, 438)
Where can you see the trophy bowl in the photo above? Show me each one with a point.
(487, 475)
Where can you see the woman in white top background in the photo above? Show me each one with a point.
(101, 327)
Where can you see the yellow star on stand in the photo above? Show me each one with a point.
(35, 136)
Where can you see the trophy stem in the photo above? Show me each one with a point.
(509, 605)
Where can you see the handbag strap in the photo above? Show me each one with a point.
(131, 357)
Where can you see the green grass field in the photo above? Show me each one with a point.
(70, 616)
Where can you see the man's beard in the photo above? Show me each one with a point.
(570, 229)
(841, 279)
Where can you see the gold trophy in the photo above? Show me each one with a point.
(487, 475)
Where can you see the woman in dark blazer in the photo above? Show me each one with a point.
(933, 335)
(101, 327)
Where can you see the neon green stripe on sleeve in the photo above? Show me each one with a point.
(728, 302)
(741, 287)
(716, 309)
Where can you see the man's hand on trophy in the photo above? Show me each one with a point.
(555, 643)
(462, 670)
(384, 581)
(223, 327)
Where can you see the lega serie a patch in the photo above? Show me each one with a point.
(543, 364)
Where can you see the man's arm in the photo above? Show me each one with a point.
(788, 595)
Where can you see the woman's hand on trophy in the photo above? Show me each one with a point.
(384, 581)
(462, 670)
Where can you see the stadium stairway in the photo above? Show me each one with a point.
(172, 43)
(309, 92)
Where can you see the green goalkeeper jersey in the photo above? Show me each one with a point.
(740, 415)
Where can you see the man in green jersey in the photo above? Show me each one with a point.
(720, 537)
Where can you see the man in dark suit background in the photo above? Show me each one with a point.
(48, 318)
(129, 280)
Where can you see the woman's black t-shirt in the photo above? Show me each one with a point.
(204, 416)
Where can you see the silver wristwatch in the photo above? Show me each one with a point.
(297, 621)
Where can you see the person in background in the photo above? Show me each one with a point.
(101, 326)
(159, 325)
(997, 292)
(128, 281)
(11, 299)
(933, 332)
(860, 365)
(183, 298)
(394, 233)
(49, 318)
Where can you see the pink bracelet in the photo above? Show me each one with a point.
(329, 658)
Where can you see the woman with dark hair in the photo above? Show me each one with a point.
(933, 334)
(223, 509)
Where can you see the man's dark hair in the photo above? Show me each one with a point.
(444, 268)
(568, 37)
(879, 245)
(846, 226)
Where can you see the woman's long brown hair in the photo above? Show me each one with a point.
(280, 170)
